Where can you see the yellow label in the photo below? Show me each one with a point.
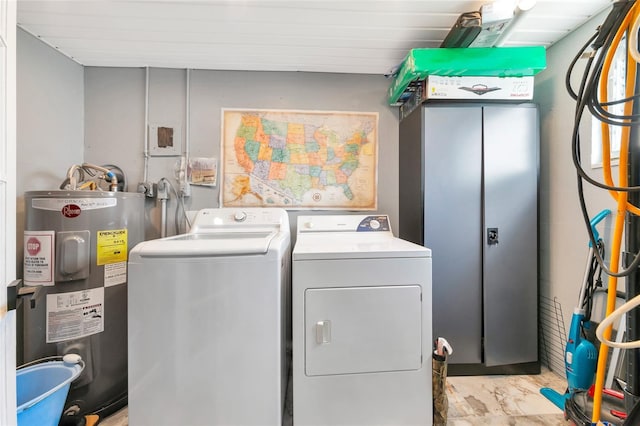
(112, 246)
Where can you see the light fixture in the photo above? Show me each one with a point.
(489, 27)
(523, 7)
(464, 31)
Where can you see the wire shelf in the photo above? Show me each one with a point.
(553, 335)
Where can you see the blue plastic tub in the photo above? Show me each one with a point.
(42, 390)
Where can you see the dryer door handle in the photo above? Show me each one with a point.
(323, 332)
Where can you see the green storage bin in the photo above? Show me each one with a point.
(478, 62)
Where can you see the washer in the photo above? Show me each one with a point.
(361, 324)
(208, 322)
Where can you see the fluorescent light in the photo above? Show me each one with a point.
(525, 5)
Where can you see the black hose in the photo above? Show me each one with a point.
(587, 98)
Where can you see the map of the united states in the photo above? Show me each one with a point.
(299, 159)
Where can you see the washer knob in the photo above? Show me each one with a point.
(374, 224)
(308, 225)
(240, 216)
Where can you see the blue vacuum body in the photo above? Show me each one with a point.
(580, 362)
(581, 355)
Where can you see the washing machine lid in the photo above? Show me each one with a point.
(222, 232)
(208, 244)
(351, 237)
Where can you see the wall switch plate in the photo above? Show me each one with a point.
(165, 139)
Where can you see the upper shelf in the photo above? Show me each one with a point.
(477, 62)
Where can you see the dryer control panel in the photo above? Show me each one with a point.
(374, 224)
(344, 223)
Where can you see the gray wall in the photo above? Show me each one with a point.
(115, 119)
(69, 114)
(50, 120)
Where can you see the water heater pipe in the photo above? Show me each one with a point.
(163, 196)
(108, 174)
(71, 174)
(163, 218)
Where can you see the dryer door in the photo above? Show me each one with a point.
(362, 329)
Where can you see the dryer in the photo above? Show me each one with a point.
(362, 344)
(208, 320)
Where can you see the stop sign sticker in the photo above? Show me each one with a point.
(39, 257)
(33, 246)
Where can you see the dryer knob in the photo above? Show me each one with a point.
(374, 224)
(308, 225)
(240, 216)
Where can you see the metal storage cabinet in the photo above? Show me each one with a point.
(469, 177)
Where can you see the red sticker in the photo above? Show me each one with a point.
(71, 210)
(33, 246)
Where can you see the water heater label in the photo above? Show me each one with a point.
(39, 257)
(112, 246)
(75, 314)
(115, 273)
(61, 204)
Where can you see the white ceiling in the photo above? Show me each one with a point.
(344, 36)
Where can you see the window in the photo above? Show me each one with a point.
(616, 86)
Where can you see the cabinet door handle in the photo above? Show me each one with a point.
(492, 236)
(323, 332)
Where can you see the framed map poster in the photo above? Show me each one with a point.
(299, 159)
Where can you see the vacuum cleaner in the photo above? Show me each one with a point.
(581, 354)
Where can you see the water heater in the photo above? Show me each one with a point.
(76, 245)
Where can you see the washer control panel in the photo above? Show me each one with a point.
(221, 217)
(240, 216)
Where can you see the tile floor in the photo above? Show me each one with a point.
(504, 400)
(479, 401)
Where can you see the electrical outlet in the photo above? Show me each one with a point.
(147, 188)
(183, 180)
(185, 189)
(163, 190)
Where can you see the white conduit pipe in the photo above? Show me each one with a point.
(145, 177)
(163, 208)
(187, 116)
(187, 143)
(609, 320)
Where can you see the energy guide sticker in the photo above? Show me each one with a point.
(112, 246)
(74, 315)
(39, 257)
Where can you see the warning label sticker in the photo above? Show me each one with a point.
(115, 273)
(112, 246)
(39, 257)
(75, 314)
